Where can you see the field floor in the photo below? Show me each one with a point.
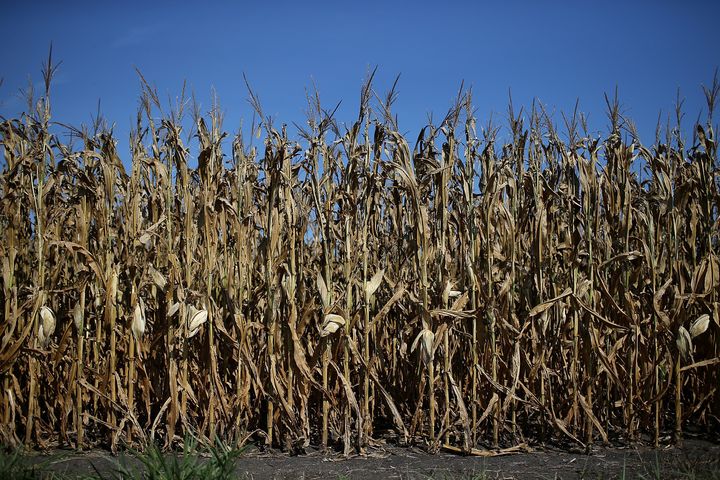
(696, 459)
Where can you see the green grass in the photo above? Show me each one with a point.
(214, 462)
(209, 462)
(16, 465)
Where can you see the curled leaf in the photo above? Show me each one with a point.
(331, 324)
(173, 309)
(538, 309)
(424, 340)
(157, 277)
(145, 240)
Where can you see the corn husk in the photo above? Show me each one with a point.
(138, 322)
(374, 283)
(77, 314)
(684, 342)
(157, 277)
(195, 319)
(449, 293)
(331, 324)
(699, 326)
(47, 325)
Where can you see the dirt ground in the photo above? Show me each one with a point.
(696, 459)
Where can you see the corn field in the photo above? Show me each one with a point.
(343, 289)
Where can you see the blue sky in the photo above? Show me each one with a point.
(556, 52)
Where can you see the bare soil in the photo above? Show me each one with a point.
(696, 459)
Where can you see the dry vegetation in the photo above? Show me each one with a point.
(344, 287)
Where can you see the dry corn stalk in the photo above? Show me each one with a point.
(534, 284)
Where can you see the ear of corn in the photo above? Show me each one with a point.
(331, 324)
(195, 319)
(555, 285)
(47, 325)
(138, 322)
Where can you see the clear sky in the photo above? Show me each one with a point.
(555, 51)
